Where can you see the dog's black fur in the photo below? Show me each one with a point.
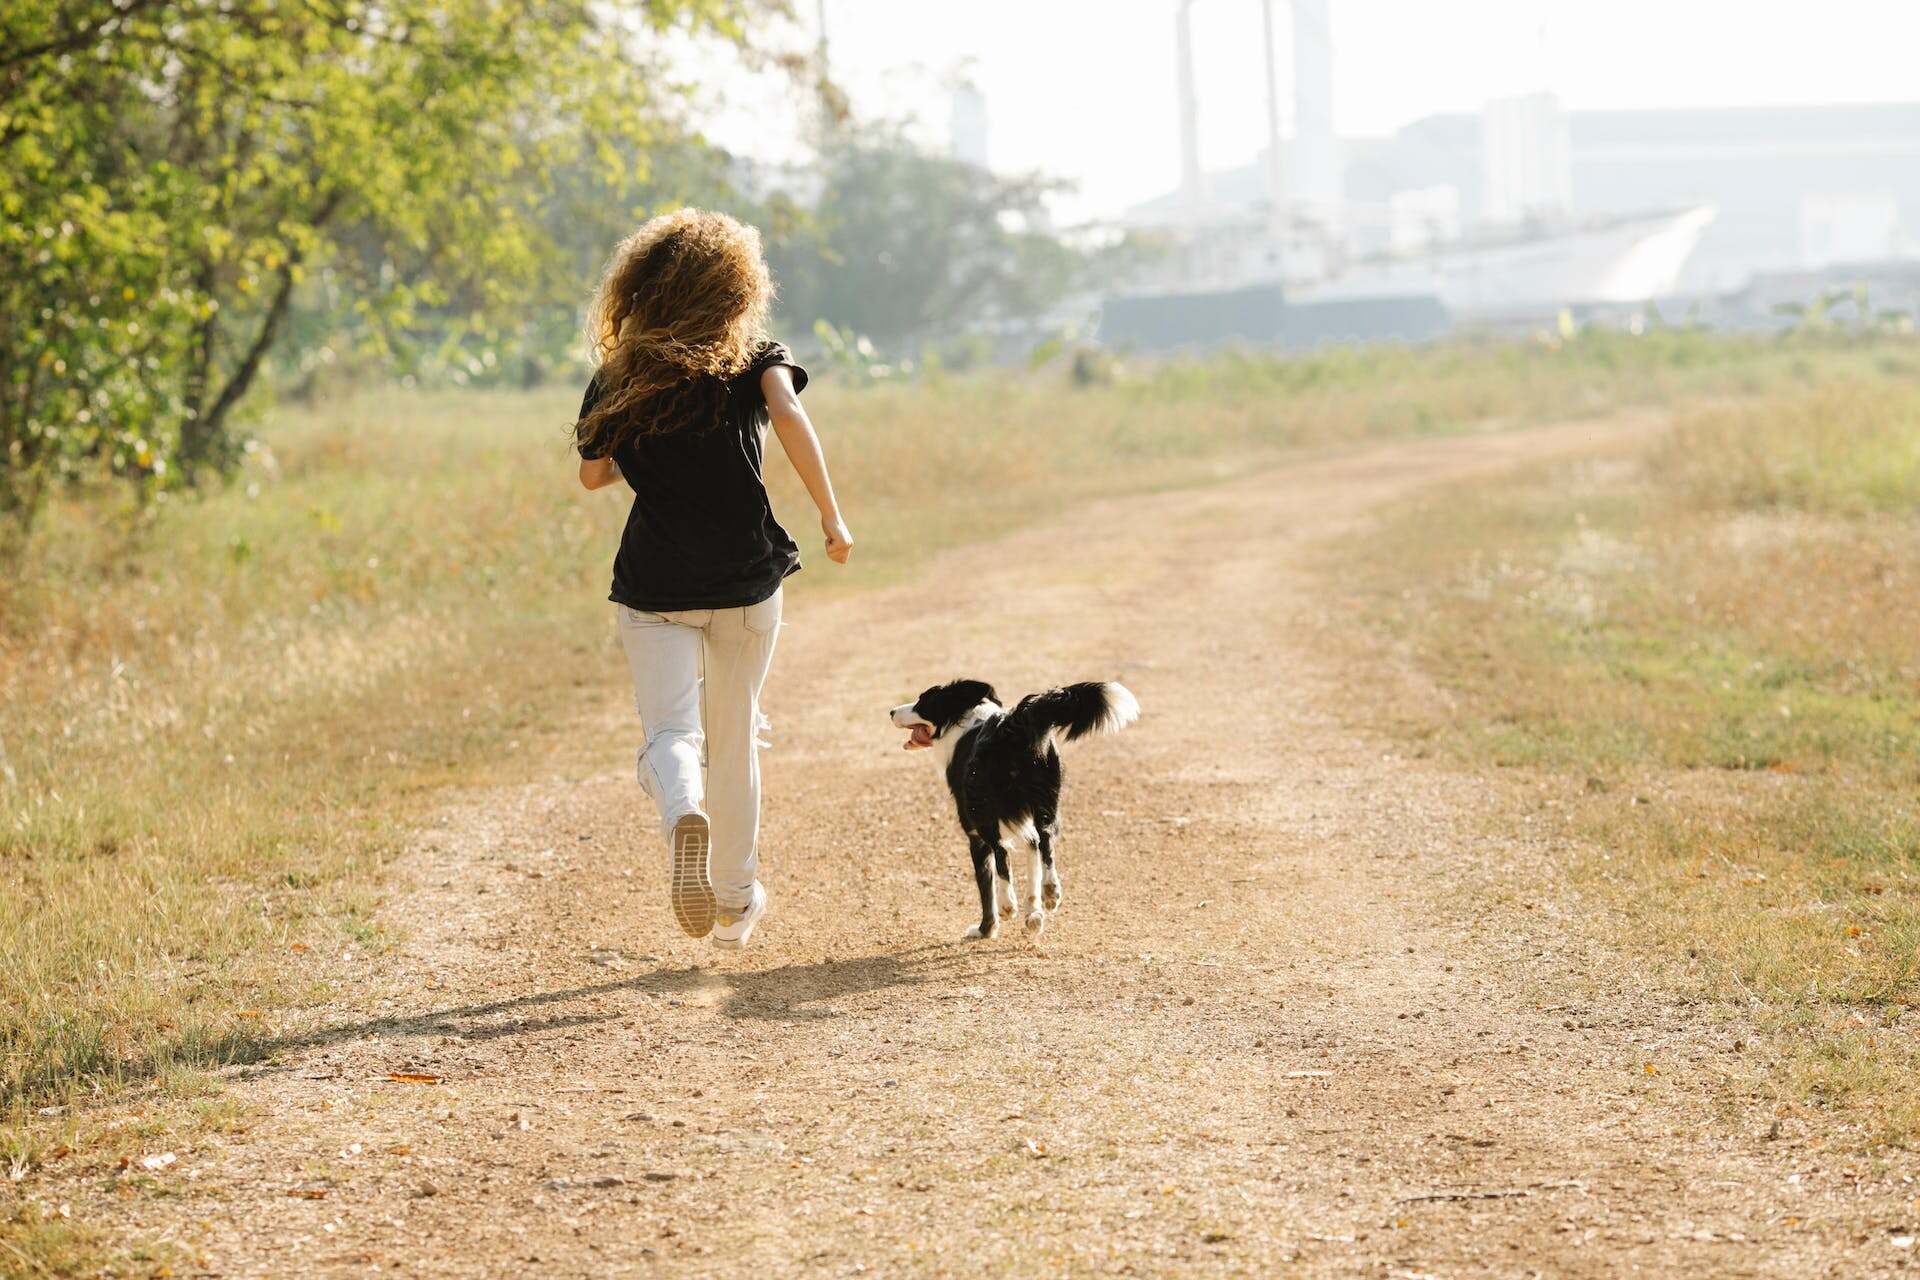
(1003, 769)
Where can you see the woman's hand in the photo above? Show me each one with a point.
(839, 538)
(797, 437)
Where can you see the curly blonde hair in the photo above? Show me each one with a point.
(682, 307)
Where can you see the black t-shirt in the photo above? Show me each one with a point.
(701, 534)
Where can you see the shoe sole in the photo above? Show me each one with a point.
(690, 886)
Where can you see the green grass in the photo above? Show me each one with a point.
(41, 1243)
(219, 716)
(1716, 640)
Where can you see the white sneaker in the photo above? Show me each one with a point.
(731, 929)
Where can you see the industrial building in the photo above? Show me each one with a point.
(1795, 188)
(1522, 209)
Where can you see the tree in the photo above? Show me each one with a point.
(903, 244)
(173, 173)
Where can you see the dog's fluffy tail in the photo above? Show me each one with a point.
(1073, 711)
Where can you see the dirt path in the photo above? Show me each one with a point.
(1272, 1032)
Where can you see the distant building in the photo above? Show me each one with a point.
(1836, 229)
(1526, 160)
(968, 126)
(1769, 170)
(1421, 218)
(1796, 187)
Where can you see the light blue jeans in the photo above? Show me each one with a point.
(667, 653)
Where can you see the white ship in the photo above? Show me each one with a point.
(1618, 260)
(1614, 261)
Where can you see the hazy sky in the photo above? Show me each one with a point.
(1084, 89)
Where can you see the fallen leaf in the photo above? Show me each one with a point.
(308, 1193)
(414, 1077)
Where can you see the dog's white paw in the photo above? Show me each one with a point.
(1050, 895)
(975, 935)
(1036, 921)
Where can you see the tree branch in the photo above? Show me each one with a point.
(209, 426)
(79, 37)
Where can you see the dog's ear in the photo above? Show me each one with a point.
(973, 692)
(946, 703)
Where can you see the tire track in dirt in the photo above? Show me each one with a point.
(1274, 1030)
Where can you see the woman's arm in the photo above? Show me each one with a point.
(598, 473)
(797, 437)
(595, 473)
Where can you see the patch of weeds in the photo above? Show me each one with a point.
(1722, 636)
(36, 1241)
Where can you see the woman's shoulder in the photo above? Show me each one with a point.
(773, 353)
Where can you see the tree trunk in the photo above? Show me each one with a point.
(204, 439)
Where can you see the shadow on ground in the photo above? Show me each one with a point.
(789, 993)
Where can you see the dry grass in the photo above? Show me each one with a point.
(1715, 642)
(217, 718)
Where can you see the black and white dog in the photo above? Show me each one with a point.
(1003, 768)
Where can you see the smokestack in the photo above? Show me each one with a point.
(1192, 180)
(1276, 167)
(1314, 174)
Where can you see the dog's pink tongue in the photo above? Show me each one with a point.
(920, 738)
